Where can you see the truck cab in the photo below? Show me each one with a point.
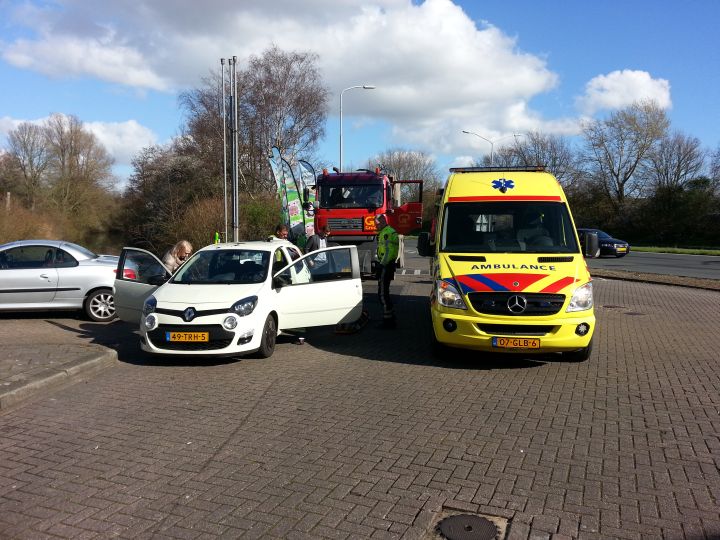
(348, 202)
(509, 270)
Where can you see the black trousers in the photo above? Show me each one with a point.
(386, 273)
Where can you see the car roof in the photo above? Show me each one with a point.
(65, 245)
(259, 245)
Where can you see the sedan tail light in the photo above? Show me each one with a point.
(129, 273)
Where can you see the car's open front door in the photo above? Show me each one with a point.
(321, 288)
(139, 273)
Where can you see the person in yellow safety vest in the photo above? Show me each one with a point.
(388, 246)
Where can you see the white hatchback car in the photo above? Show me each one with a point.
(235, 298)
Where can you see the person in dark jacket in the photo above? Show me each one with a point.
(319, 240)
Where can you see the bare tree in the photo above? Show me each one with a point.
(615, 147)
(715, 168)
(673, 162)
(28, 148)
(283, 103)
(551, 151)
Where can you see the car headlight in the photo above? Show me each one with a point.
(151, 322)
(149, 305)
(245, 306)
(449, 296)
(230, 322)
(582, 298)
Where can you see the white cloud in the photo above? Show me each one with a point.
(123, 140)
(619, 89)
(437, 71)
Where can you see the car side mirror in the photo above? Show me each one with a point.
(158, 279)
(281, 280)
(591, 245)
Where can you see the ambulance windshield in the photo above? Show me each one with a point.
(508, 227)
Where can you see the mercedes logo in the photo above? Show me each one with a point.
(516, 304)
(189, 314)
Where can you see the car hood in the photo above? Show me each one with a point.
(216, 295)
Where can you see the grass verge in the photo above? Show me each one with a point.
(684, 251)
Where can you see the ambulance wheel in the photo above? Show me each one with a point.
(580, 355)
(269, 336)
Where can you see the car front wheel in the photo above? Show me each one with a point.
(269, 336)
(100, 305)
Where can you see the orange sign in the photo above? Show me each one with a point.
(369, 223)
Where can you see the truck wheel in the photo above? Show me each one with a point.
(269, 336)
(580, 355)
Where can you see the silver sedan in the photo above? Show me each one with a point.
(37, 275)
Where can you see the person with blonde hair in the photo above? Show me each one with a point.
(177, 255)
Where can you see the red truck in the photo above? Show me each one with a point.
(349, 201)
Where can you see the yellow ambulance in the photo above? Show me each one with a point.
(509, 271)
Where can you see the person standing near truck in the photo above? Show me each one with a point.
(388, 246)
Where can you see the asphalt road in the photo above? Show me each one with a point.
(695, 266)
(368, 436)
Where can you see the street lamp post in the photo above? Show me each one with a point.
(364, 87)
(492, 143)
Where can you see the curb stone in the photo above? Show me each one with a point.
(19, 391)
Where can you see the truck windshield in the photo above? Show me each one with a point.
(507, 227)
(352, 196)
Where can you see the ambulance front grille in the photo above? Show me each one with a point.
(496, 303)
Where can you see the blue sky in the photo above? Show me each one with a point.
(440, 67)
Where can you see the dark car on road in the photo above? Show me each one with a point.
(608, 245)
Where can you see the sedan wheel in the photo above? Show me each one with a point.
(269, 335)
(100, 305)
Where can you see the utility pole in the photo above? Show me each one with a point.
(224, 115)
(235, 208)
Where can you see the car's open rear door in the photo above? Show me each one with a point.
(139, 273)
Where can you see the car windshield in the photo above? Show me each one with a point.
(508, 227)
(224, 266)
(351, 196)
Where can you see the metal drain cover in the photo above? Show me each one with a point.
(467, 527)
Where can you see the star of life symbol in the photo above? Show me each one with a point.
(503, 184)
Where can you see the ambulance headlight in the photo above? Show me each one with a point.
(582, 298)
(449, 296)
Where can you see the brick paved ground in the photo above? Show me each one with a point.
(366, 436)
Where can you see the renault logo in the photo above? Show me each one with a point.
(516, 304)
(189, 314)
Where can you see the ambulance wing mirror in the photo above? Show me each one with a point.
(424, 247)
(591, 245)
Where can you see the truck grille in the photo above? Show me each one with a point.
(345, 224)
(496, 303)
